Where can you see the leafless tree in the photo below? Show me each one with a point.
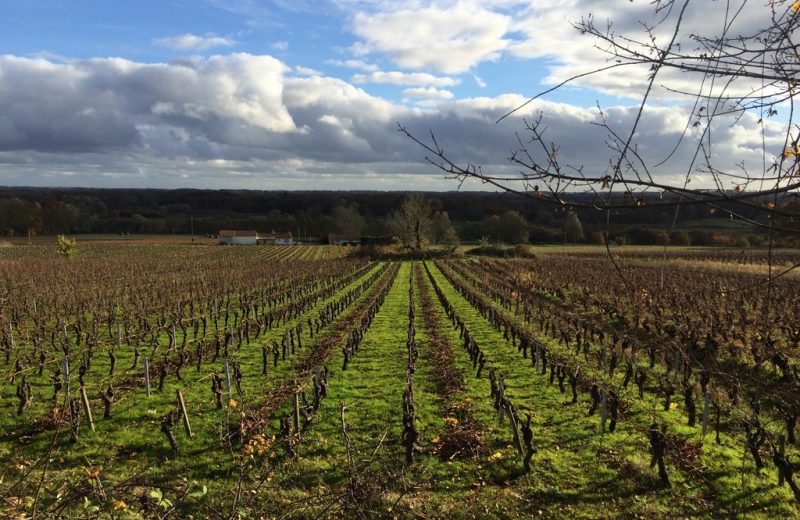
(412, 222)
(732, 74)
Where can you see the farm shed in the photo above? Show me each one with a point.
(235, 237)
(283, 239)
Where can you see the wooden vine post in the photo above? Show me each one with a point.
(228, 379)
(147, 376)
(86, 407)
(66, 375)
(296, 411)
(603, 410)
(185, 415)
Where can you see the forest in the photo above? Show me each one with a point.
(312, 215)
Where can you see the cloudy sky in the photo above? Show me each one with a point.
(302, 94)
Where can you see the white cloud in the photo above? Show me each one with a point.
(335, 121)
(50, 56)
(449, 39)
(427, 93)
(306, 71)
(101, 103)
(102, 121)
(189, 41)
(405, 78)
(453, 36)
(280, 46)
(354, 64)
(479, 81)
(545, 32)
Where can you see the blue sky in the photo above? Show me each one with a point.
(309, 36)
(298, 94)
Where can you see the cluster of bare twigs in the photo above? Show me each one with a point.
(730, 74)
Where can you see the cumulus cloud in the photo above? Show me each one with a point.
(187, 42)
(405, 78)
(454, 36)
(101, 103)
(427, 93)
(449, 39)
(306, 71)
(44, 109)
(354, 64)
(208, 122)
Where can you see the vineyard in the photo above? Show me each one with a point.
(147, 379)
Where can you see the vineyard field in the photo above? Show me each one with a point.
(160, 378)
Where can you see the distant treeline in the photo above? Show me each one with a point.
(312, 215)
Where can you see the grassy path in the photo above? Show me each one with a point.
(371, 390)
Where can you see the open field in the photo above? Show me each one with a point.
(157, 378)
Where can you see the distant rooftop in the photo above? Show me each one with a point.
(237, 233)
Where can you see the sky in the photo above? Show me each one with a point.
(301, 94)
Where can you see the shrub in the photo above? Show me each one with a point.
(679, 238)
(66, 247)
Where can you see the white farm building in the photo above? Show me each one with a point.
(284, 239)
(233, 237)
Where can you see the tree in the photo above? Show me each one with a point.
(513, 228)
(442, 230)
(139, 223)
(19, 217)
(60, 217)
(490, 227)
(573, 229)
(412, 222)
(347, 220)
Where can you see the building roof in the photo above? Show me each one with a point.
(237, 233)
